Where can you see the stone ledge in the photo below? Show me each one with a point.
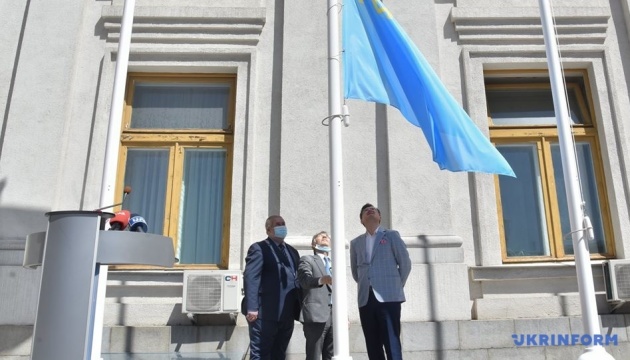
(529, 271)
(145, 277)
(190, 25)
(13, 244)
(426, 340)
(417, 241)
(525, 307)
(599, 14)
(423, 249)
(531, 290)
(433, 241)
(203, 14)
(521, 25)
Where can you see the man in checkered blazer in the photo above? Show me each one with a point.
(380, 265)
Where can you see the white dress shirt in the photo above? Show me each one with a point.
(369, 247)
(369, 244)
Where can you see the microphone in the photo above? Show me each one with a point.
(126, 192)
(137, 223)
(120, 220)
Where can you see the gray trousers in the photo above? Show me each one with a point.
(319, 339)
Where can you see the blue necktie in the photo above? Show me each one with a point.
(328, 272)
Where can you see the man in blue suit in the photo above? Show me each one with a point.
(380, 265)
(271, 302)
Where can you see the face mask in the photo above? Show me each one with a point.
(322, 248)
(280, 232)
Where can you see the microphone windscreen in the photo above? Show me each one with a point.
(120, 220)
(137, 223)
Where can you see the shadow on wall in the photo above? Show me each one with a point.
(212, 330)
(141, 298)
(438, 341)
(143, 302)
(20, 287)
(15, 340)
(16, 223)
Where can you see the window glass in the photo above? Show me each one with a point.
(180, 106)
(522, 203)
(201, 206)
(521, 107)
(589, 192)
(146, 172)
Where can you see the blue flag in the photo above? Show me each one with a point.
(382, 65)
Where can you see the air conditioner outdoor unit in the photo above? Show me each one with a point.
(617, 279)
(212, 291)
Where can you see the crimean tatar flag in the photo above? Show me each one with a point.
(381, 64)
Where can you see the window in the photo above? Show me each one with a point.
(533, 212)
(176, 154)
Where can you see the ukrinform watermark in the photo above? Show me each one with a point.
(563, 339)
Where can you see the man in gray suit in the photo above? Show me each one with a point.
(380, 264)
(314, 276)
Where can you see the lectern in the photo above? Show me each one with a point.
(70, 253)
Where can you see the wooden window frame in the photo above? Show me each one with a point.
(176, 140)
(543, 136)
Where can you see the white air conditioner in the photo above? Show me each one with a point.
(617, 279)
(212, 291)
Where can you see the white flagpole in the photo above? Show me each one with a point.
(573, 193)
(112, 147)
(340, 303)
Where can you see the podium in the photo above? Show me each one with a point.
(70, 253)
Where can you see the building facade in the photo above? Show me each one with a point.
(222, 126)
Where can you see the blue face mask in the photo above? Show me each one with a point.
(280, 231)
(322, 248)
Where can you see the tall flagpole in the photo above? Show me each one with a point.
(573, 193)
(340, 300)
(112, 147)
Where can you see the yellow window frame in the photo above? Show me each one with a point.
(544, 136)
(176, 141)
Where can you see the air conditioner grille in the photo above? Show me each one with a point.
(204, 293)
(622, 277)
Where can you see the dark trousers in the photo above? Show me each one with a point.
(381, 327)
(268, 340)
(319, 339)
